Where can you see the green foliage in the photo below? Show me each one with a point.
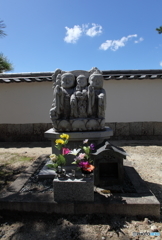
(12, 158)
(159, 29)
(58, 146)
(86, 150)
(2, 25)
(61, 160)
(54, 165)
(5, 65)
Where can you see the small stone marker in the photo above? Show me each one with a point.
(74, 190)
(47, 172)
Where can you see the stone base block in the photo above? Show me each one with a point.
(74, 190)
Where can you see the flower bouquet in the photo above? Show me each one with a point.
(83, 159)
(59, 160)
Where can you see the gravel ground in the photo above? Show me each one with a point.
(146, 158)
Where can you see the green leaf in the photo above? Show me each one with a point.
(86, 149)
(61, 160)
(66, 142)
(5, 65)
(78, 168)
(74, 162)
(52, 165)
(59, 146)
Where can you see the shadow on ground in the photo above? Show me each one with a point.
(69, 227)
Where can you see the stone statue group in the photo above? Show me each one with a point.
(79, 100)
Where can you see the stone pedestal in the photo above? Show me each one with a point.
(74, 190)
(76, 138)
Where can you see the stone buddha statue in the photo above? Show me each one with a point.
(79, 100)
(96, 96)
(61, 103)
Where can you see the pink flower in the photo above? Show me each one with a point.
(65, 151)
(82, 155)
(83, 164)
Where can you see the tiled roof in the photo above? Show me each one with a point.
(25, 77)
(132, 74)
(107, 74)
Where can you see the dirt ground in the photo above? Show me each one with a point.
(146, 158)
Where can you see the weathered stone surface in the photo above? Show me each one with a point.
(135, 128)
(79, 102)
(122, 129)
(3, 132)
(26, 131)
(157, 128)
(108, 162)
(9, 132)
(46, 172)
(38, 130)
(77, 190)
(14, 132)
(147, 129)
(112, 126)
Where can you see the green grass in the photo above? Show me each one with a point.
(11, 164)
(18, 158)
(11, 158)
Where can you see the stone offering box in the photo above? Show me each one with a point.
(108, 162)
(74, 190)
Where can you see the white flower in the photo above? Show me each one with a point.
(75, 151)
(53, 157)
(85, 141)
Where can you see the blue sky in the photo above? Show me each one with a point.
(43, 35)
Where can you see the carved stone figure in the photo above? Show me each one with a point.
(79, 100)
(97, 96)
(81, 82)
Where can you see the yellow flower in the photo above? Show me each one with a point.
(59, 141)
(66, 136)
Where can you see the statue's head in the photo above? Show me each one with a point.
(67, 80)
(96, 80)
(82, 81)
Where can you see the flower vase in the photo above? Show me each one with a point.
(86, 174)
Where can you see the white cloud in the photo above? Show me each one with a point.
(161, 64)
(73, 34)
(116, 44)
(139, 40)
(95, 30)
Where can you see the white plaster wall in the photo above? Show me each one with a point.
(134, 100)
(127, 101)
(25, 102)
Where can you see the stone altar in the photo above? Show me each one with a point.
(79, 101)
(78, 109)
